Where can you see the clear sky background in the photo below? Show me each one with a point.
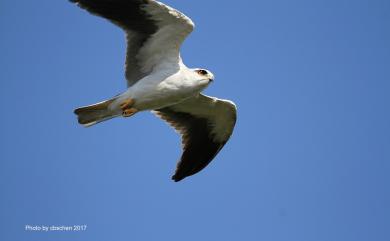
(309, 159)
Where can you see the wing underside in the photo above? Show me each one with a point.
(205, 125)
(154, 32)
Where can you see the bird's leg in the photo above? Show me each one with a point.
(129, 112)
(127, 104)
(127, 108)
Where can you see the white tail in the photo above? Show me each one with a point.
(93, 114)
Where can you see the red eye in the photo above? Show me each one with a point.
(202, 72)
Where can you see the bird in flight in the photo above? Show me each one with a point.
(158, 81)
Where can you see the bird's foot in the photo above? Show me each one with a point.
(127, 107)
(127, 104)
(129, 112)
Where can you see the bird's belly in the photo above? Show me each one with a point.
(158, 102)
(162, 95)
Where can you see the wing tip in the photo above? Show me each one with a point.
(177, 178)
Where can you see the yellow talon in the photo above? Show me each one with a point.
(129, 112)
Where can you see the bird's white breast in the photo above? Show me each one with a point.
(162, 89)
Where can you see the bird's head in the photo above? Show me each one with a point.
(204, 76)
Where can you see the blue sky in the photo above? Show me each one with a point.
(309, 159)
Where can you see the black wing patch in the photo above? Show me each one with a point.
(128, 14)
(199, 147)
(138, 25)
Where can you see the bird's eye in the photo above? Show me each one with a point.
(202, 72)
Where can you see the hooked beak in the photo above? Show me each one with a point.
(211, 78)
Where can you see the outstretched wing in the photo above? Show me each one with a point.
(206, 124)
(154, 33)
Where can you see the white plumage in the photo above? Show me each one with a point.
(159, 81)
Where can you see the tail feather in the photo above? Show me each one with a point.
(93, 114)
